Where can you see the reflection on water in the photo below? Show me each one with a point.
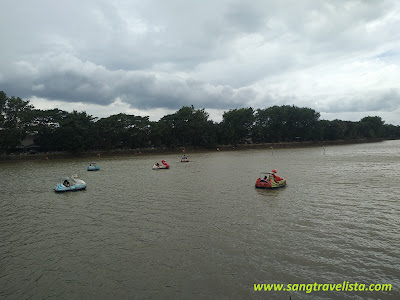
(200, 229)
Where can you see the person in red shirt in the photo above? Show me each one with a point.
(276, 177)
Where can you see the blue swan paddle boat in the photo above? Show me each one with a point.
(92, 167)
(73, 183)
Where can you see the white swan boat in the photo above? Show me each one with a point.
(92, 167)
(73, 183)
(164, 165)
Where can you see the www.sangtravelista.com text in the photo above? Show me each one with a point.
(315, 287)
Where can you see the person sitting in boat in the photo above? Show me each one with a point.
(66, 183)
(276, 177)
(157, 164)
(184, 156)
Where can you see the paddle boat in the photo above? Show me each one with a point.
(163, 166)
(269, 180)
(184, 159)
(73, 183)
(92, 167)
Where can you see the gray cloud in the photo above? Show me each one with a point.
(337, 57)
(377, 101)
(67, 79)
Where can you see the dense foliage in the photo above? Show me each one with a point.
(57, 130)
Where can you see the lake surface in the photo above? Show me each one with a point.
(200, 230)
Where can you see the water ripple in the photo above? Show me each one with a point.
(201, 230)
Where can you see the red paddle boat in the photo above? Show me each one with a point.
(269, 180)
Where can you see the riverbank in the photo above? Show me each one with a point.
(151, 151)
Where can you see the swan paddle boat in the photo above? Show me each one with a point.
(184, 159)
(269, 180)
(73, 183)
(92, 167)
(163, 166)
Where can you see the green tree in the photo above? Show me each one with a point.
(237, 125)
(76, 132)
(391, 131)
(286, 123)
(123, 131)
(157, 134)
(371, 127)
(3, 101)
(14, 121)
(46, 124)
(331, 130)
(186, 127)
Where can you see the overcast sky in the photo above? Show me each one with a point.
(151, 57)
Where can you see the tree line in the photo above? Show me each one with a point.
(58, 130)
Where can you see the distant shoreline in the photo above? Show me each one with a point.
(152, 151)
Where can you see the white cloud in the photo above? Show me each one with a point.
(101, 111)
